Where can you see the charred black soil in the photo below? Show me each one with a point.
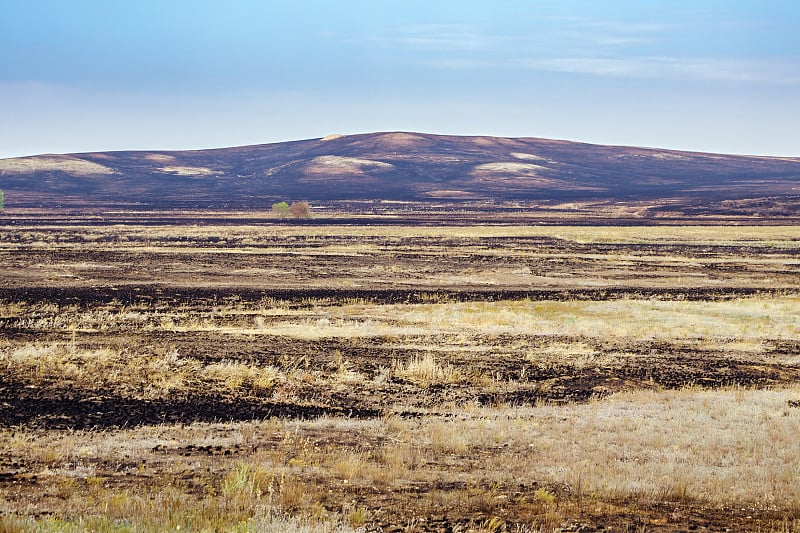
(108, 328)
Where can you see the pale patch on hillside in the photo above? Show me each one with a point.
(101, 155)
(518, 180)
(332, 164)
(160, 158)
(332, 136)
(510, 166)
(486, 141)
(528, 157)
(449, 193)
(401, 139)
(53, 163)
(669, 156)
(664, 156)
(190, 171)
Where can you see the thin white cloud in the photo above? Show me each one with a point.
(766, 71)
(615, 27)
(603, 48)
(568, 34)
(436, 37)
(780, 72)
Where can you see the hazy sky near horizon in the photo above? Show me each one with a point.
(91, 75)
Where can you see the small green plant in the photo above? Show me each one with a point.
(280, 209)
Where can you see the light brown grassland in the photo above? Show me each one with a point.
(658, 407)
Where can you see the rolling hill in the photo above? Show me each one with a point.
(421, 169)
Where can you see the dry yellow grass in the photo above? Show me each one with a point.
(431, 369)
(720, 448)
(529, 257)
(438, 333)
(145, 375)
(743, 319)
(425, 370)
(778, 237)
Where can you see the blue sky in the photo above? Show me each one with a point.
(84, 75)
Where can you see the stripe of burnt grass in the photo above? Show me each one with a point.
(156, 295)
(109, 413)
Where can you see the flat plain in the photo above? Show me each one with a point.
(239, 373)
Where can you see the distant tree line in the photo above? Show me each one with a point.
(296, 210)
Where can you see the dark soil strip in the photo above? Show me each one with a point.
(48, 413)
(131, 295)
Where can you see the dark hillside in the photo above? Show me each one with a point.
(410, 167)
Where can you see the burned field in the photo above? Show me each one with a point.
(267, 377)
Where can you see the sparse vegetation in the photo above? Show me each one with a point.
(280, 209)
(227, 398)
(300, 209)
(295, 210)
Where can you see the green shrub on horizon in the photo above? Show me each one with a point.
(296, 210)
(281, 209)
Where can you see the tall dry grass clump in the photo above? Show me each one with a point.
(425, 371)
